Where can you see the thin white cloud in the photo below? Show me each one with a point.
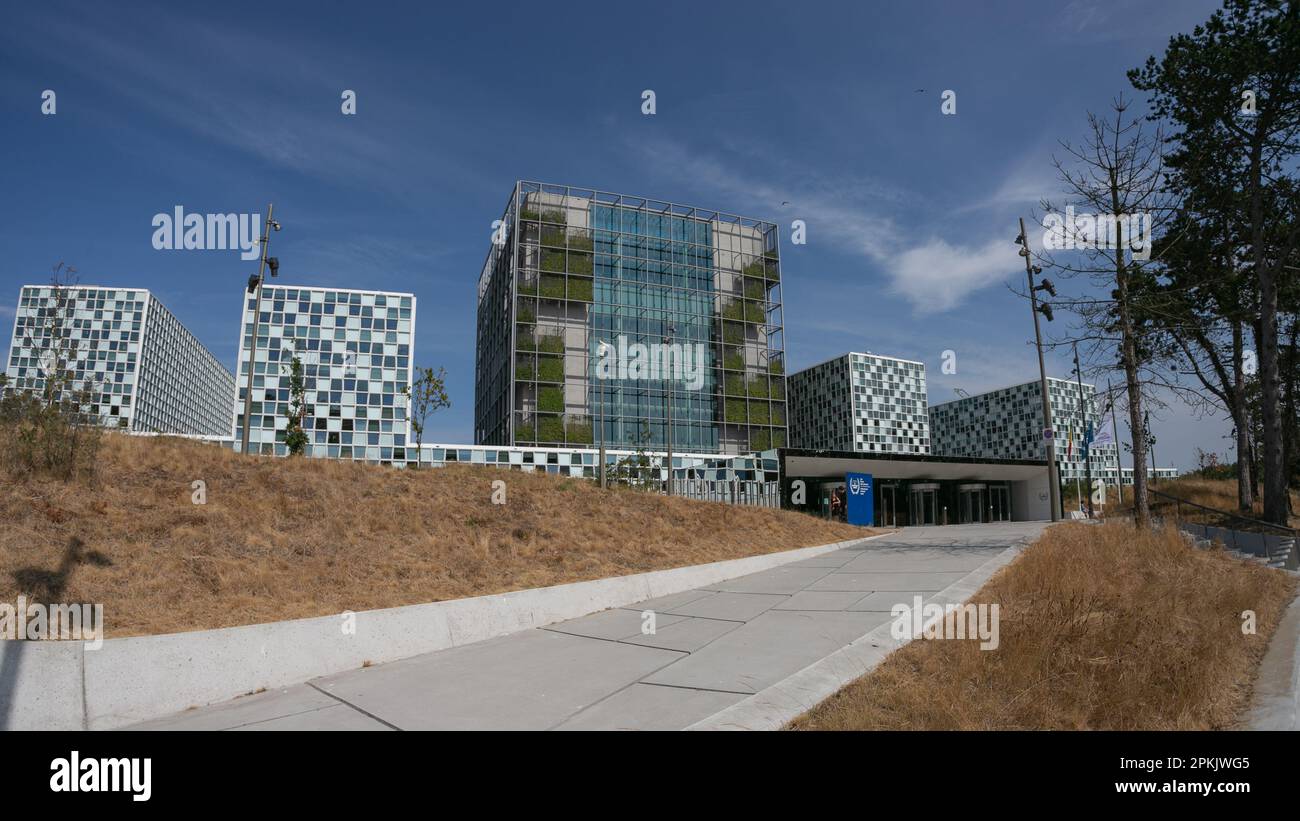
(933, 277)
(937, 276)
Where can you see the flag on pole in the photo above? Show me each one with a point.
(1069, 443)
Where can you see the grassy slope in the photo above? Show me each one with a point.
(1099, 629)
(283, 539)
(1220, 494)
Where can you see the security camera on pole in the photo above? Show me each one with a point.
(1049, 434)
(255, 286)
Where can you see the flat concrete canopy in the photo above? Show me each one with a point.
(891, 466)
(711, 648)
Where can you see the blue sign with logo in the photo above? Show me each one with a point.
(860, 499)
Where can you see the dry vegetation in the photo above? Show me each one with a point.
(1100, 629)
(1220, 494)
(293, 538)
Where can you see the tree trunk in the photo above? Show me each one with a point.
(1289, 412)
(1275, 506)
(1128, 355)
(1241, 418)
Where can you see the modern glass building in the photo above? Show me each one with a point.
(1008, 424)
(860, 402)
(145, 370)
(355, 348)
(687, 302)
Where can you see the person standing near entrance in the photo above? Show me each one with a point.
(839, 509)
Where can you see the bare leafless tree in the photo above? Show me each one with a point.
(1116, 177)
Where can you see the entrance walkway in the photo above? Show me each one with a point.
(711, 648)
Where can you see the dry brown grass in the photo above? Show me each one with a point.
(281, 539)
(1101, 628)
(1220, 494)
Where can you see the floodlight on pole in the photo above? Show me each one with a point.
(255, 286)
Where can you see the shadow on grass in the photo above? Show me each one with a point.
(43, 585)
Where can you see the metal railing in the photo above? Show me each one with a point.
(1256, 525)
(750, 494)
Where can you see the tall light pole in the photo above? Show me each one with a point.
(668, 402)
(1053, 480)
(602, 350)
(1087, 428)
(255, 286)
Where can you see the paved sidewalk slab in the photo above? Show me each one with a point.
(766, 650)
(529, 681)
(1275, 704)
(611, 625)
(886, 559)
(338, 717)
(781, 580)
(713, 649)
(685, 636)
(820, 600)
(650, 707)
(252, 709)
(731, 606)
(871, 582)
(837, 559)
(885, 600)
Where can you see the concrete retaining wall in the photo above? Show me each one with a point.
(60, 685)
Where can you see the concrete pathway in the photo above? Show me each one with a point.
(1276, 701)
(711, 648)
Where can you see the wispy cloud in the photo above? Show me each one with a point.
(288, 118)
(933, 274)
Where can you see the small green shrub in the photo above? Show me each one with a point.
(550, 369)
(550, 429)
(552, 287)
(579, 263)
(735, 411)
(578, 431)
(580, 289)
(550, 400)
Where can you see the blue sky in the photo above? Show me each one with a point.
(833, 109)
